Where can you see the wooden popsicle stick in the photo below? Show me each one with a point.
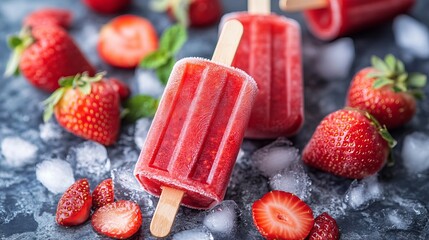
(228, 42)
(301, 5)
(259, 6)
(166, 211)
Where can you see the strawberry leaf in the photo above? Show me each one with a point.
(14, 41)
(173, 39)
(381, 82)
(417, 80)
(51, 102)
(180, 11)
(155, 59)
(159, 5)
(18, 44)
(382, 130)
(378, 64)
(390, 62)
(140, 106)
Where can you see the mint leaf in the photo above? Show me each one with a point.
(173, 39)
(164, 71)
(140, 106)
(155, 59)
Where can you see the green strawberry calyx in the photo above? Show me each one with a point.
(384, 133)
(18, 44)
(80, 81)
(391, 72)
(179, 8)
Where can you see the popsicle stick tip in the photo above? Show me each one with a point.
(259, 6)
(227, 44)
(165, 213)
(302, 5)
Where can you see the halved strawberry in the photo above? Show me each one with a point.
(282, 215)
(126, 40)
(325, 228)
(103, 194)
(120, 219)
(75, 204)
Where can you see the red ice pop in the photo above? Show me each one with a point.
(329, 19)
(270, 51)
(196, 134)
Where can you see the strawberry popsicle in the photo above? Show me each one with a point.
(270, 52)
(197, 131)
(329, 19)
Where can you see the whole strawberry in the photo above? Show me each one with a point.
(44, 54)
(74, 206)
(325, 228)
(49, 17)
(349, 143)
(88, 107)
(195, 13)
(107, 6)
(387, 91)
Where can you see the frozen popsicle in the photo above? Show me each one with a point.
(196, 134)
(270, 52)
(329, 19)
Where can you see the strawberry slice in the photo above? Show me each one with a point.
(282, 215)
(75, 204)
(120, 219)
(103, 194)
(126, 40)
(325, 228)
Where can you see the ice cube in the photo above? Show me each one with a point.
(18, 152)
(91, 159)
(126, 187)
(327, 194)
(335, 59)
(55, 174)
(362, 193)
(415, 154)
(50, 131)
(294, 179)
(148, 83)
(194, 234)
(222, 218)
(141, 130)
(275, 157)
(412, 36)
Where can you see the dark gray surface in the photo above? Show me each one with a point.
(27, 209)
